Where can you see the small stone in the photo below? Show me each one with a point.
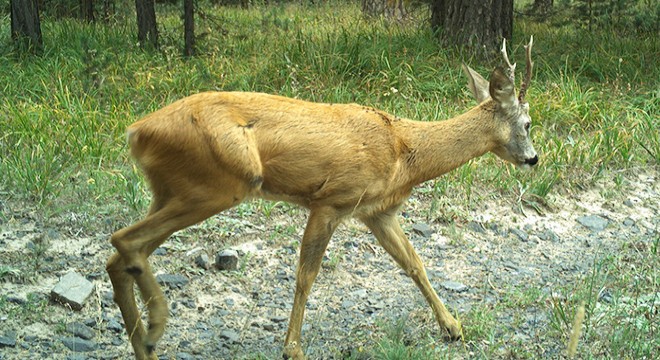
(279, 319)
(90, 322)
(476, 227)
(628, 203)
(73, 289)
(76, 357)
(361, 293)
(52, 234)
(184, 356)
(522, 235)
(8, 339)
(173, 281)
(79, 345)
(549, 235)
(347, 304)
(114, 325)
(30, 338)
(268, 327)
(160, 251)
(80, 330)
(454, 286)
(16, 299)
(605, 296)
(593, 222)
(203, 261)
(422, 229)
(628, 222)
(230, 336)
(227, 260)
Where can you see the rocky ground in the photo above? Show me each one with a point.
(481, 256)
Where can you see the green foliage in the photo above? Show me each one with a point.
(594, 96)
(621, 15)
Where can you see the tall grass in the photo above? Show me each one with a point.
(594, 96)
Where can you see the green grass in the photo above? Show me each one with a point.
(594, 97)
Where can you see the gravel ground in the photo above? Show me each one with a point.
(482, 254)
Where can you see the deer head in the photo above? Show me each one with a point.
(510, 111)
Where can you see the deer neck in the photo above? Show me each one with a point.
(441, 146)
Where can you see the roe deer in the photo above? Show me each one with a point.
(211, 151)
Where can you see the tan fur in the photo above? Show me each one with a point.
(211, 151)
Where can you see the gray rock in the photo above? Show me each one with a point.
(454, 286)
(347, 304)
(173, 281)
(90, 322)
(79, 345)
(30, 338)
(230, 336)
(203, 261)
(73, 289)
(549, 235)
(605, 296)
(8, 339)
(476, 227)
(593, 222)
(423, 229)
(217, 321)
(227, 260)
(522, 235)
(16, 299)
(279, 319)
(361, 293)
(76, 357)
(80, 330)
(114, 325)
(160, 251)
(184, 356)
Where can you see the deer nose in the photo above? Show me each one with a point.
(532, 161)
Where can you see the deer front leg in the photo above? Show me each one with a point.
(387, 230)
(320, 227)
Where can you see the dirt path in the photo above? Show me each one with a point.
(491, 257)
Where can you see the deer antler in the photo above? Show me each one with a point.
(512, 68)
(528, 70)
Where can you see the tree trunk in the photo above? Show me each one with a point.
(25, 25)
(189, 27)
(87, 10)
(477, 24)
(146, 20)
(392, 9)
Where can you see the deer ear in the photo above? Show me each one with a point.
(501, 89)
(476, 83)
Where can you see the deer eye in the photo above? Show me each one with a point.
(527, 125)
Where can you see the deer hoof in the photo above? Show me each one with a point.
(455, 332)
(293, 352)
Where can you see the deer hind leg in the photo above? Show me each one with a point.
(136, 242)
(387, 230)
(124, 296)
(320, 227)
